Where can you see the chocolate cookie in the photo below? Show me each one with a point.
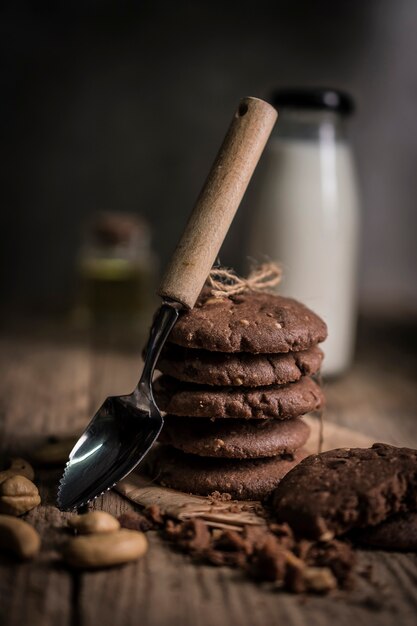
(331, 493)
(398, 532)
(250, 322)
(238, 369)
(244, 480)
(281, 402)
(244, 439)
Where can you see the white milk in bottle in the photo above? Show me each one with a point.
(307, 212)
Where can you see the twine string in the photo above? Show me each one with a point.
(225, 282)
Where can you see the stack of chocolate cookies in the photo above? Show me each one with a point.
(237, 375)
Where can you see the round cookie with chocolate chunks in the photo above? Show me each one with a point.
(252, 479)
(239, 368)
(249, 322)
(334, 492)
(244, 439)
(276, 401)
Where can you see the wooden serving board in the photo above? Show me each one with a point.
(232, 515)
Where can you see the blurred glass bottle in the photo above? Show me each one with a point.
(117, 270)
(307, 212)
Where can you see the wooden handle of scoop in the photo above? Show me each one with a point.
(218, 201)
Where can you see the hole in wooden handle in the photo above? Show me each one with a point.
(242, 110)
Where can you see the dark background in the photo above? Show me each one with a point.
(122, 106)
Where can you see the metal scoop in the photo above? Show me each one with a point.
(125, 427)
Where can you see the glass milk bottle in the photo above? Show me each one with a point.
(307, 212)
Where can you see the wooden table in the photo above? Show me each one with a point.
(51, 387)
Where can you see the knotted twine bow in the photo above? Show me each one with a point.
(225, 282)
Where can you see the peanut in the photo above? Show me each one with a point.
(18, 537)
(18, 467)
(94, 522)
(55, 453)
(105, 549)
(18, 495)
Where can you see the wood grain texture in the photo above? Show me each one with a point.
(48, 388)
(218, 201)
(44, 389)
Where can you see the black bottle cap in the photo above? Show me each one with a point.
(324, 99)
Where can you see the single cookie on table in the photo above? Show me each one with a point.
(398, 532)
(252, 479)
(331, 493)
(239, 368)
(250, 322)
(279, 402)
(244, 439)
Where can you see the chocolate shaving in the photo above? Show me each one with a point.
(136, 521)
(269, 554)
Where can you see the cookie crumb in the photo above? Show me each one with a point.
(319, 579)
(136, 521)
(270, 554)
(216, 496)
(154, 513)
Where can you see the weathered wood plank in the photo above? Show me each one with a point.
(167, 588)
(44, 390)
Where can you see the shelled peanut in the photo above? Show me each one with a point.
(18, 537)
(102, 543)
